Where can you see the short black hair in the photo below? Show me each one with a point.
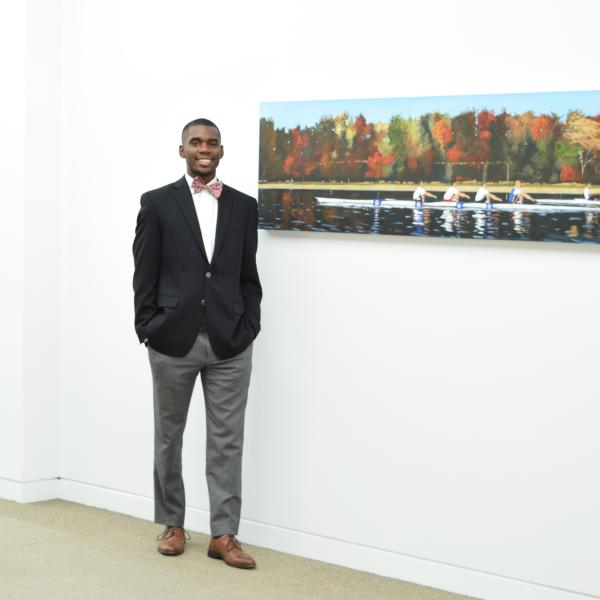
(205, 122)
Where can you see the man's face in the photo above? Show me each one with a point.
(202, 151)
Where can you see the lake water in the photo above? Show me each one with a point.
(298, 210)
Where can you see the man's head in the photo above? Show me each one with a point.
(201, 148)
(518, 183)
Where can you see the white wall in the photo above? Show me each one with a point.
(12, 117)
(30, 223)
(42, 226)
(391, 427)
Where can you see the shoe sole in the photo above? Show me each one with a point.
(170, 553)
(217, 557)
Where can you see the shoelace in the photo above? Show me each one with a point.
(170, 531)
(232, 542)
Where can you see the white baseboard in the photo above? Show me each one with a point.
(452, 578)
(29, 491)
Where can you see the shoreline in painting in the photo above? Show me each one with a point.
(435, 186)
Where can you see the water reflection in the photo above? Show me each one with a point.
(299, 210)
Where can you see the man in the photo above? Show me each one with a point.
(517, 195)
(453, 194)
(483, 194)
(587, 193)
(197, 308)
(420, 194)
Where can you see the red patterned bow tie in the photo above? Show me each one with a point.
(214, 188)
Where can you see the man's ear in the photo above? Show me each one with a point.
(222, 152)
(181, 152)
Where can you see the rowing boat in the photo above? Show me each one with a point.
(445, 205)
(567, 201)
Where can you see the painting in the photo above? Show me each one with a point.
(501, 166)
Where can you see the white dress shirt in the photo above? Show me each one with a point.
(207, 209)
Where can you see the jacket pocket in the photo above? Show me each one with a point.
(167, 301)
(238, 308)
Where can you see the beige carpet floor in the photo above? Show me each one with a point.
(58, 550)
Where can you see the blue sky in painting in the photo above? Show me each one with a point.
(290, 114)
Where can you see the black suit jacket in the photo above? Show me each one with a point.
(174, 284)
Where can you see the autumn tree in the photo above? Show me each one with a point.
(441, 132)
(364, 144)
(299, 163)
(271, 151)
(584, 133)
(545, 130)
(325, 148)
(381, 162)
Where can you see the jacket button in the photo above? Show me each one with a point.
(208, 275)
(203, 302)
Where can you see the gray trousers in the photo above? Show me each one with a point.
(225, 384)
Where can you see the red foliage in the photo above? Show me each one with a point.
(377, 162)
(412, 163)
(455, 154)
(568, 173)
(296, 163)
(363, 128)
(484, 119)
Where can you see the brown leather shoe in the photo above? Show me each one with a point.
(227, 548)
(172, 541)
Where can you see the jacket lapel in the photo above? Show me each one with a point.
(184, 200)
(225, 206)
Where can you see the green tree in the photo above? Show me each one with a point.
(398, 131)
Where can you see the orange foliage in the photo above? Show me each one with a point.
(541, 128)
(442, 132)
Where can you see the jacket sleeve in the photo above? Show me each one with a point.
(250, 282)
(146, 258)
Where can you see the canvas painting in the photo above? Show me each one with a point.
(502, 166)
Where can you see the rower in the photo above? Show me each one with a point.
(517, 195)
(587, 193)
(484, 194)
(420, 194)
(453, 194)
